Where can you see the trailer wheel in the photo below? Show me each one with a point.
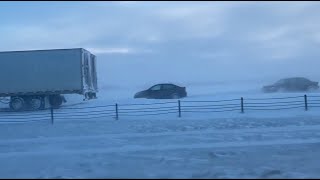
(36, 103)
(91, 95)
(17, 104)
(55, 101)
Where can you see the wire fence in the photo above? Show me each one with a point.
(174, 108)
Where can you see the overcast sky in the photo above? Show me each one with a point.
(147, 42)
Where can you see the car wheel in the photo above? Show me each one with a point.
(175, 96)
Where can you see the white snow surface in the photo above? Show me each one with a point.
(257, 144)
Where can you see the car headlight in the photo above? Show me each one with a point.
(138, 94)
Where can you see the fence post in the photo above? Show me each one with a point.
(117, 115)
(242, 111)
(179, 105)
(305, 102)
(52, 119)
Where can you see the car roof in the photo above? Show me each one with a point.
(166, 84)
(301, 78)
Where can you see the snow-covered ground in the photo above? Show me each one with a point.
(255, 144)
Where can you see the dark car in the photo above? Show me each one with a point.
(292, 84)
(163, 91)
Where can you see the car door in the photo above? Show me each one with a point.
(303, 84)
(155, 91)
(167, 90)
(293, 84)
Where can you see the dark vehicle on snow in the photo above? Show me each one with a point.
(292, 84)
(163, 91)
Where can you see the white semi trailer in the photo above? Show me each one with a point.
(38, 78)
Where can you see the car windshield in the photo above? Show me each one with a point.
(281, 81)
(155, 88)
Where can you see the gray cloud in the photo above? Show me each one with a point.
(180, 41)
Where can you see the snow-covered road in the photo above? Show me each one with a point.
(170, 149)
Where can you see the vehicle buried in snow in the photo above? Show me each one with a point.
(163, 91)
(294, 84)
(38, 78)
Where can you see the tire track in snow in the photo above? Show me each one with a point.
(139, 135)
(136, 148)
(161, 141)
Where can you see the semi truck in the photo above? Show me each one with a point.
(36, 79)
